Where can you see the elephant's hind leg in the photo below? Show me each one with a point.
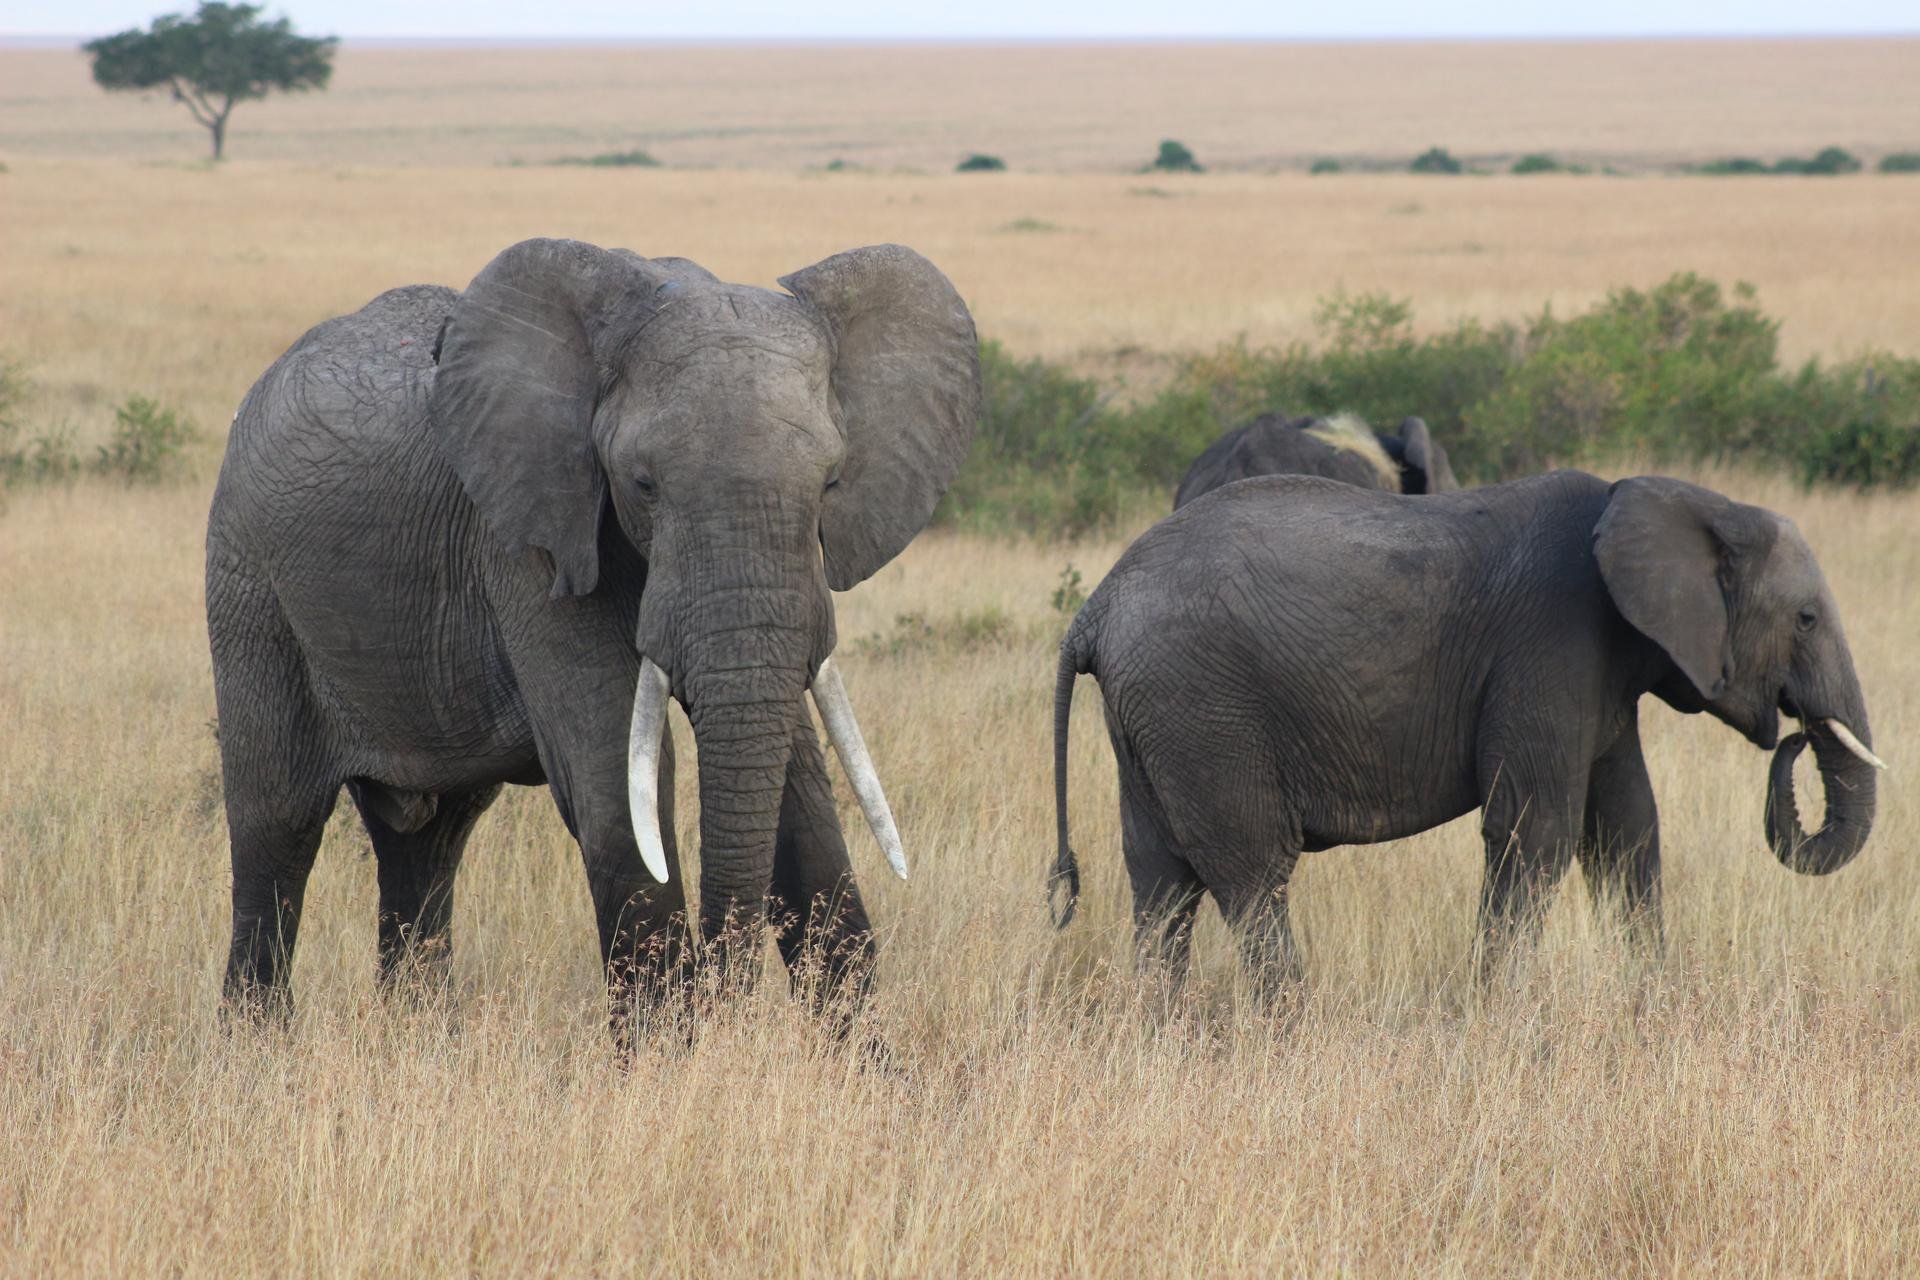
(1256, 910)
(820, 923)
(279, 780)
(417, 867)
(1166, 891)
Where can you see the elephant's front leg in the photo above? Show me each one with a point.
(645, 941)
(1620, 851)
(820, 923)
(1531, 823)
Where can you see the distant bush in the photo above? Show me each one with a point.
(1680, 372)
(1039, 226)
(1325, 164)
(1730, 165)
(1828, 161)
(1436, 160)
(613, 160)
(1174, 157)
(1901, 162)
(146, 443)
(1536, 162)
(978, 163)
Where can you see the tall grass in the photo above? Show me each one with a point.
(1743, 1108)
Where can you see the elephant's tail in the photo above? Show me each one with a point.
(1065, 876)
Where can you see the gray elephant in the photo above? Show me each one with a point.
(468, 539)
(1340, 448)
(1290, 664)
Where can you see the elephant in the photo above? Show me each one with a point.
(1339, 448)
(1290, 664)
(466, 539)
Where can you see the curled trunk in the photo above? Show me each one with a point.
(1849, 785)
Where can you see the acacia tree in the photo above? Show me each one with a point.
(222, 55)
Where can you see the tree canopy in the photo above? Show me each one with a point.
(222, 55)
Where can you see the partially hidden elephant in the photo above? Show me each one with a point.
(464, 539)
(1291, 664)
(1340, 448)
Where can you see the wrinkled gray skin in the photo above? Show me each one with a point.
(1289, 664)
(424, 582)
(1274, 445)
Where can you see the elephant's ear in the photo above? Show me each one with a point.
(906, 380)
(1665, 550)
(521, 364)
(1428, 458)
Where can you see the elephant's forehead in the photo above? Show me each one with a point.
(729, 321)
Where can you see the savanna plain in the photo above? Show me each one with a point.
(1743, 1106)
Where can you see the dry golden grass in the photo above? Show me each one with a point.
(1745, 1108)
(184, 283)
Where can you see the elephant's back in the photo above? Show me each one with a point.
(1274, 445)
(339, 420)
(336, 498)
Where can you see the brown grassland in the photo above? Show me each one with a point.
(1745, 1107)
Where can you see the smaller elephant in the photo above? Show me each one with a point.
(1291, 664)
(1340, 448)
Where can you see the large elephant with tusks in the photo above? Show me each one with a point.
(464, 539)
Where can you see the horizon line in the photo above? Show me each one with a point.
(43, 40)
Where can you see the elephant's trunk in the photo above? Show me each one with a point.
(737, 641)
(743, 714)
(1846, 775)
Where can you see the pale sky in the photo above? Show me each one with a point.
(988, 19)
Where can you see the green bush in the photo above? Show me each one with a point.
(1536, 162)
(1731, 165)
(1901, 162)
(613, 160)
(1174, 157)
(1682, 371)
(1668, 373)
(979, 163)
(1828, 161)
(147, 441)
(1325, 164)
(1436, 160)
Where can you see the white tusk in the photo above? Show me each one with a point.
(1854, 744)
(836, 712)
(643, 766)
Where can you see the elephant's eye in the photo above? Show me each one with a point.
(644, 483)
(833, 482)
(1808, 620)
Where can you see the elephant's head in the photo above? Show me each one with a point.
(1733, 596)
(1422, 461)
(757, 448)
